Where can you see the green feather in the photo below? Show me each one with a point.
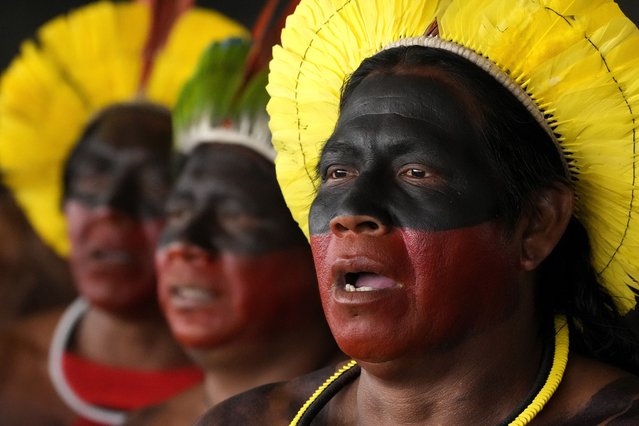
(213, 89)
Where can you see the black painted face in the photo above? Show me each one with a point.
(405, 150)
(227, 199)
(123, 168)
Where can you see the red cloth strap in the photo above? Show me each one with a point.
(125, 389)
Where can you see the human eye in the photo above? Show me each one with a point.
(416, 173)
(90, 177)
(177, 212)
(419, 174)
(338, 173)
(239, 222)
(240, 227)
(90, 184)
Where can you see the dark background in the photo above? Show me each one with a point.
(20, 18)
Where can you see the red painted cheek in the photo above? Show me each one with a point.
(256, 297)
(171, 270)
(467, 278)
(451, 283)
(320, 245)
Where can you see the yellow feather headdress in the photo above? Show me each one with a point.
(577, 60)
(81, 63)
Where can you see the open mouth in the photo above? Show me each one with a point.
(190, 296)
(367, 281)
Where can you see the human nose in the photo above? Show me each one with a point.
(121, 196)
(184, 251)
(358, 224)
(194, 228)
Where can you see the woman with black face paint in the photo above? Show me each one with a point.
(236, 276)
(111, 350)
(470, 207)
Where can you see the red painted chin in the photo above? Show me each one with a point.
(424, 289)
(216, 300)
(200, 327)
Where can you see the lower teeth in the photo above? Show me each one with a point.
(351, 287)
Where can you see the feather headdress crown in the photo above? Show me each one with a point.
(225, 99)
(576, 60)
(217, 105)
(95, 56)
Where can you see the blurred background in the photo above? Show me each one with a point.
(32, 276)
(20, 18)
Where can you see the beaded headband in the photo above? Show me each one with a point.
(575, 59)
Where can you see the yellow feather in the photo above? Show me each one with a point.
(99, 48)
(86, 60)
(40, 117)
(191, 34)
(579, 59)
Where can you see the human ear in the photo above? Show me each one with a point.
(549, 216)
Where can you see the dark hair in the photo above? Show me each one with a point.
(526, 160)
(148, 124)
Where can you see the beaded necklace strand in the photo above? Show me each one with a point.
(553, 378)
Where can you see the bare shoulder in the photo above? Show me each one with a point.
(595, 393)
(272, 404)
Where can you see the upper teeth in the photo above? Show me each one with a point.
(194, 293)
(351, 287)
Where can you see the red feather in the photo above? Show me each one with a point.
(164, 13)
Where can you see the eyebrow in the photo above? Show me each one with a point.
(339, 145)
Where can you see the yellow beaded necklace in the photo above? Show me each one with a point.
(556, 373)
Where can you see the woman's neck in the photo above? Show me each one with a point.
(482, 371)
(139, 341)
(229, 372)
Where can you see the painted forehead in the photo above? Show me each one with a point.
(128, 127)
(387, 108)
(228, 164)
(125, 133)
(424, 93)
